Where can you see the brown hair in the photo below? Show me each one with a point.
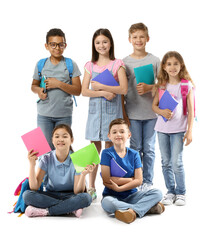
(106, 33)
(67, 128)
(116, 122)
(163, 77)
(138, 26)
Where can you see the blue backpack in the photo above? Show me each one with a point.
(69, 65)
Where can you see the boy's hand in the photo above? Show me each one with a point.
(41, 94)
(32, 157)
(188, 138)
(52, 83)
(143, 88)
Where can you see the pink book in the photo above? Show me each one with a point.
(36, 140)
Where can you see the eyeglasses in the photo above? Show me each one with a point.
(61, 45)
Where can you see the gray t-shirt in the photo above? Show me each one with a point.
(139, 107)
(58, 102)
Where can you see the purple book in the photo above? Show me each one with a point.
(116, 170)
(167, 102)
(106, 78)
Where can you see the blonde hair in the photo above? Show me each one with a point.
(163, 77)
(138, 26)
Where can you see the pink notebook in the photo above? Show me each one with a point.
(36, 140)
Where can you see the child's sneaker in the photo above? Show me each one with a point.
(77, 212)
(180, 200)
(92, 192)
(36, 212)
(157, 209)
(127, 216)
(168, 199)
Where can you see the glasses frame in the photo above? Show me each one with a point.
(57, 44)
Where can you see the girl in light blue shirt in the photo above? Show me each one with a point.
(65, 189)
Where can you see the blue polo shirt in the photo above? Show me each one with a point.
(129, 163)
(60, 176)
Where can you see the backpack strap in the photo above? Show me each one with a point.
(40, 66)
(184, 92)
(69, 65)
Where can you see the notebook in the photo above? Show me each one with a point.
(85, 156)
(106, 78)
(167, 102)
(144, 74)
(36, 140)
(116, 170)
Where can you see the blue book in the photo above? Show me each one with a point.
(167, 102)
(144, 74)
(106, 78)
(116, 170)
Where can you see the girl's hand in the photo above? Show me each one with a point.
(89, 169)
(96, 86)
(188, 138)
(41, 94)
(32, 157)
(167, 113)
(52, 83)
(109, 96)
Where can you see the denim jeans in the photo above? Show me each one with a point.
(143, 140)
(171, 148)
(47, 124)
(141, 202)
(57, 203)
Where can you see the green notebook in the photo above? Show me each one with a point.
(85, 156)
(144, 74)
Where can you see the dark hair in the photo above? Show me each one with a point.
(55, 32)
(106, 33)
(116, 122)
(67, 128)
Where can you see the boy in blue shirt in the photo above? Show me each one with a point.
(120, 195)
(56, 104)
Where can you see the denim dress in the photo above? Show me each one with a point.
(101, 113)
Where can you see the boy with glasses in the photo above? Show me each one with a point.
(55, 103)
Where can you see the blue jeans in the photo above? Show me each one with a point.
(143, 140)
(141, 202)
(57, 203)
(47, 124)
(171, 148)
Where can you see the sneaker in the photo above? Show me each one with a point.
(145, 187)
(180, 200)
(78, 212)
(157, 209)
(92, 192)
(168, 199)
(127, 216)
(36, 212)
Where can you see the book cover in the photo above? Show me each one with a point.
(116, 170)
(106, 78)
(85, 156)
(144, 74)
(167, 102)
(36, 140)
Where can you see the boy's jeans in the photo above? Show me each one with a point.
(47, 124)
(143, 140)
(58, 203)
(141, 202)
(171, 148)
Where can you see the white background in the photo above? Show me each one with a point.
(173, 25)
